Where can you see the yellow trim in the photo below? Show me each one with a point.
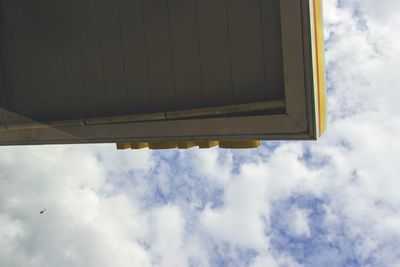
(319, 65)
(139, 145)
(186, 145)
(207, 144)
(121, 146)
(163, 145)
(240, 144)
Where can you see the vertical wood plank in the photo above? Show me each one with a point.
(214, 52)
(271, 23)
(36, 61)
(135, 56)
(157, 27)
(19, 90)
(185, 43)
(55, 60)
(246, 51)
(111, 52)
(96, 103)
(71, 48)
(5, 39)
(3, 73)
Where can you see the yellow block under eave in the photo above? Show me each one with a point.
(163, 145)
(207, 144)
(121, 146)
(240, 144)
(186, 145)
(139, 145)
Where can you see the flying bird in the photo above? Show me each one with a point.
(41, 212)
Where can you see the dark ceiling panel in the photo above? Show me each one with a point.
(135, 59)
(93, 69)
(37, 74)
(186, 58)
(6, 62)
(112, 53)
(214, 52)
(158, 40)
(246, 50)
(73, 60)
(68, 59)
(272, 41)
(55, 60)
(198, 69)
(18, 87)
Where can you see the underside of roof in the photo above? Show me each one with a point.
(138, 71)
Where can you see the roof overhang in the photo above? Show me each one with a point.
(301, 115)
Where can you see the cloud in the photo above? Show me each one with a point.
(239, 221)
(166, 242)
(79, 227)
(297, 223)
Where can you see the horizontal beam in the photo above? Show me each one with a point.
(148, 117)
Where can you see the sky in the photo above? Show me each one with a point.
(334, 202)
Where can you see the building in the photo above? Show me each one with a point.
(161, 73)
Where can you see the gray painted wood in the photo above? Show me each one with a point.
(55, 60)
(36, 60)
(215, 52)
(135, 56)
(67, 59)
(93, 66)
(271, 24)
(6, 43)
(19, 92)
(246, 50)
(72, 49)
(112, 53)
(293, 62)
(186, 56)
(158, 40)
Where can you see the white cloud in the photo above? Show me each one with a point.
(240, 220)
(167, 243)
(79, 227)
(211, 164)
(298, 223)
